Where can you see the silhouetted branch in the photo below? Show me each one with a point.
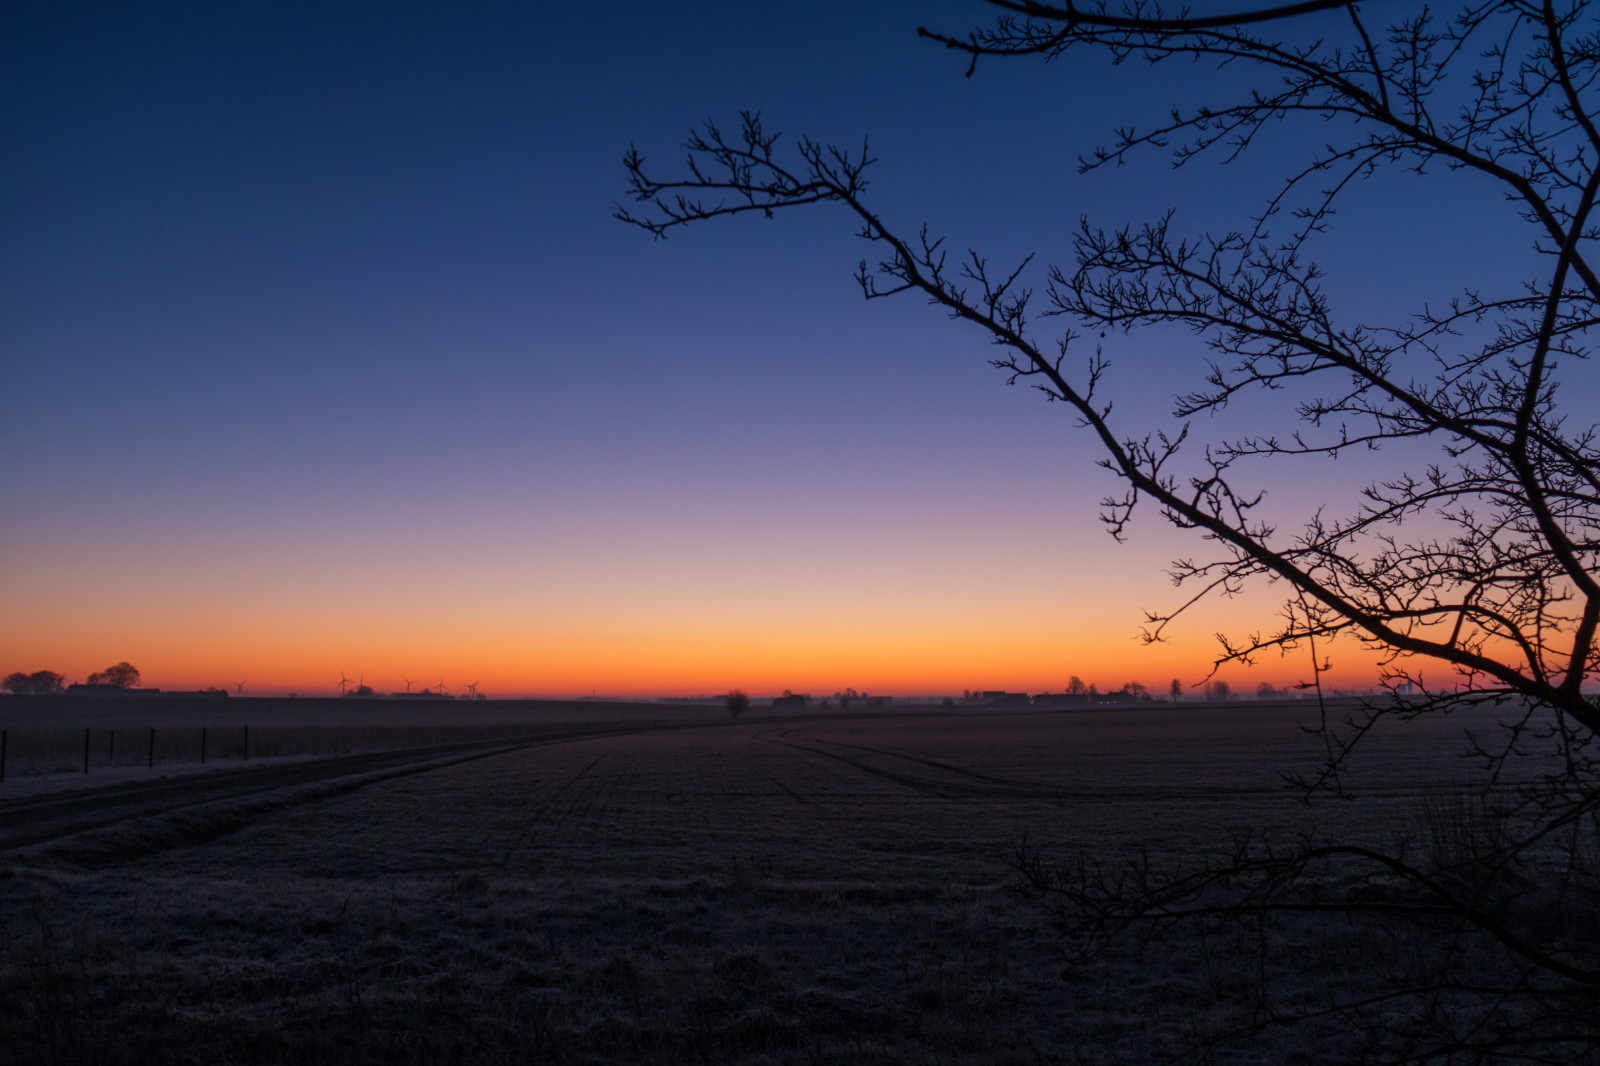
(1472, 572)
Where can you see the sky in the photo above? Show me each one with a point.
(324, 354)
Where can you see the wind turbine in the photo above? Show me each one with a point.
(473, 688)
(343, 681)
(441, 686)
(240, 686)
(408, 682)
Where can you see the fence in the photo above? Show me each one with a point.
(25, 752)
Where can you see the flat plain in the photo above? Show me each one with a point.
(610, 884)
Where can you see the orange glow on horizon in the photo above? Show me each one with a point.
(917, 604)
(636, 658)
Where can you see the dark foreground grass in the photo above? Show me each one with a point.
(832, 892)
(477, 969)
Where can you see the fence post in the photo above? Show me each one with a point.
(202, 745)
(85, 749)
(152, 748)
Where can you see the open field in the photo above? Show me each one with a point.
(802, 889)
(63, 743)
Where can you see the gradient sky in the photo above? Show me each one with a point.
(322, 352)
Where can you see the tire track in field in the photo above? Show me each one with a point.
(572, 813)
(916, 784)
(791, 793)
(1009, 782)
(528, 831)
(954, 791)
(126, 822)
(202, 822)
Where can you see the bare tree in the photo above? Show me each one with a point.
(118, 675)
(1472, 572)
(38, 683)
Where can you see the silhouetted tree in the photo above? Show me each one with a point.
(1076, 687)
(1175, 690)
(119, 675)
(38, 683)
(1137, 691)
(1475, 556)
(1218, 689)
(737, 703)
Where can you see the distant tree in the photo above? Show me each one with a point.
(737, 703)
(38, 683)
(1266, 691)
(1076, 687)
(119, 675)
(1175, 690)
(1137, 691)
(1217, 689)
(948, 702)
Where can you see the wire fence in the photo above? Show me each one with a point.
(32, 752)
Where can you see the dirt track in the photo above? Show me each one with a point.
(29, 821)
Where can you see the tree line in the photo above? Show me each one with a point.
(49, 683)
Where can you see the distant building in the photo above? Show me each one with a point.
(117, 690)
(792, 701)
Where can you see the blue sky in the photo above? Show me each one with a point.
(324, 349)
